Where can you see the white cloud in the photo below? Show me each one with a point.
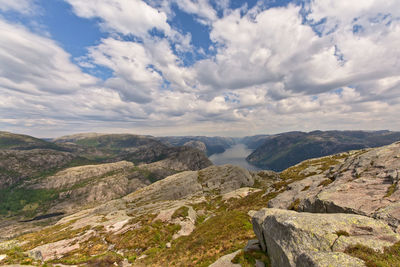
(272, 71)
(201, 8)
(22, 6)
(123, 16)
(131, 64)
(33, 64)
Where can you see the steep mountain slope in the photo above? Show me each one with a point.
(280, 151)
(255, 141)
(213, 144)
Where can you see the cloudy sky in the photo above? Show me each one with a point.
(198, 67)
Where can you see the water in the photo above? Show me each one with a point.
(236, 155)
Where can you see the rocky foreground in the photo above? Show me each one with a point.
(340, 210)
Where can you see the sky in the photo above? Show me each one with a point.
(198, 67)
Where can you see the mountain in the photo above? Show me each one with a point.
(213, 145)
(255, 141)
(209, 216)
(23, 142)
(281, 151)
(82, 171)
(337, 210)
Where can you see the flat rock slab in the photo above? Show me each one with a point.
(286, 235)
(226, 261)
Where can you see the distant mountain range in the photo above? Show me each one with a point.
(278, 152)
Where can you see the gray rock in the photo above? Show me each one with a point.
(226, 261)
(286, 235)
(327, 259)
(252, 245)
(260, 263)
(370, 177)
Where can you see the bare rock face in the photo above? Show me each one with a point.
(366, 183)
(83, 186)
(220, 179)
(299, 239)
(71, 176)
(17, 165)
(197, 145)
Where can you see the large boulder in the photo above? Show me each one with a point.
(366, 183)
(297, 239)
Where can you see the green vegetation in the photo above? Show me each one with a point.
(21, 201)
(17, 141)
(342, 233)
(182, 212)
(294, 205)
(391, 189)
(326, 182)
(151, 235)
(287, 149)
(389, 258)
(152, 177)
(15, 255)
(210, 240)
(295, 173)
(50, 234)
(248, 258)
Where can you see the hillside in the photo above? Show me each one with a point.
(212, 145)
(96, 169)
(281, 151)
(196, 218)
(22, 142)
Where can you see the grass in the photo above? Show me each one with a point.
(92, 251)
(342, 233)
(209, 241)
(182, 212)
(49, 235)
(150, 235)
(21, 201)
(391, 189)
(294, 205)
(389, 258)
(15, 255)
(295, 173)
(248, 259)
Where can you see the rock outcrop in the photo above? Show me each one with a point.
(365, 183)
(211, 180)
(197, 145)
(297, 239)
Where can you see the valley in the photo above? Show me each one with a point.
(129, 200)
(235, 155)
